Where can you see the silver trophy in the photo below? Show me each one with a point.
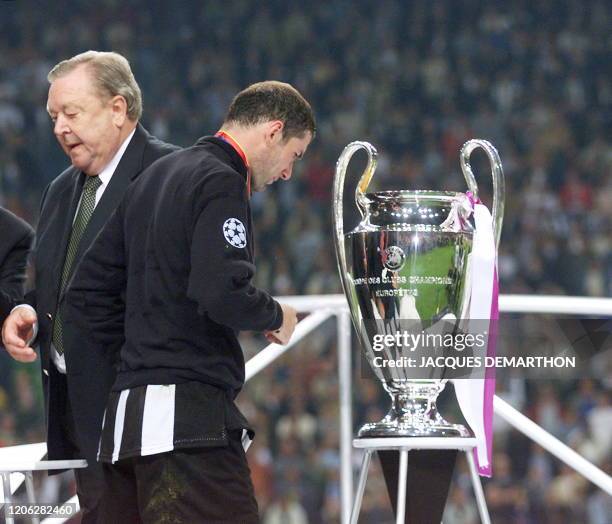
(407, 262)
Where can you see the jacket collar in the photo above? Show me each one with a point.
(229, 152)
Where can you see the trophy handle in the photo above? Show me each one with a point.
(364, 181)
(498, 179)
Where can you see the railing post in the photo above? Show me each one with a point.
(346, 414)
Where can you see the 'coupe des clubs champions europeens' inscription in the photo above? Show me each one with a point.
(401, 280)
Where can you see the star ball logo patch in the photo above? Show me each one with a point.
(234, 232)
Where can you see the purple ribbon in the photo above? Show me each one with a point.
(476, 397)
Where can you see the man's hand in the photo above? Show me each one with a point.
(283, 334)
(17, 332)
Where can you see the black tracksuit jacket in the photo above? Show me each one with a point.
(167, 283)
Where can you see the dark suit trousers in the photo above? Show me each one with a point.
(89, 480)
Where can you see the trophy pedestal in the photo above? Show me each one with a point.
(402, 447)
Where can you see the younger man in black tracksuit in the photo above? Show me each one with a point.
(167, 284)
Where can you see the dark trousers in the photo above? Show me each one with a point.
(203, 485)
(89, 480)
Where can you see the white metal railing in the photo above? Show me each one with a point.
(555, 446)
(17, 463)
(12, 459)
(555, 305)
(264, 358)
(550, 304)
(323, 307)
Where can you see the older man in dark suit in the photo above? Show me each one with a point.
(15, 241)
(95, 104)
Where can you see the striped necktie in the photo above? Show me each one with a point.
(86, 209)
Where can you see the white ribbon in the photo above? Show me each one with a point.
(475, 396)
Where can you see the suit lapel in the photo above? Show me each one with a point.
(127, 169)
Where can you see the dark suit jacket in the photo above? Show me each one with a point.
(90, 374)
(15, 241)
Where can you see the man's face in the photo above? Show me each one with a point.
(87, 126)
(277, 160)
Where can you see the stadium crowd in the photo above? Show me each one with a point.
(416, 79)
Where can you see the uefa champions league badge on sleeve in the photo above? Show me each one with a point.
(234, 232)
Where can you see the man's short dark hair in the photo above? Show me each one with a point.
(272, 100)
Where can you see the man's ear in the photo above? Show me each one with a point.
(274, 131)
(119, 107)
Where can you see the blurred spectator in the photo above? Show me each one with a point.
(286, 508)
(460, 509)
(507, 500)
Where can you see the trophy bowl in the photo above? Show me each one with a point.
(405, 269)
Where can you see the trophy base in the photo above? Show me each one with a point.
(398, 429)
(414, 414)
